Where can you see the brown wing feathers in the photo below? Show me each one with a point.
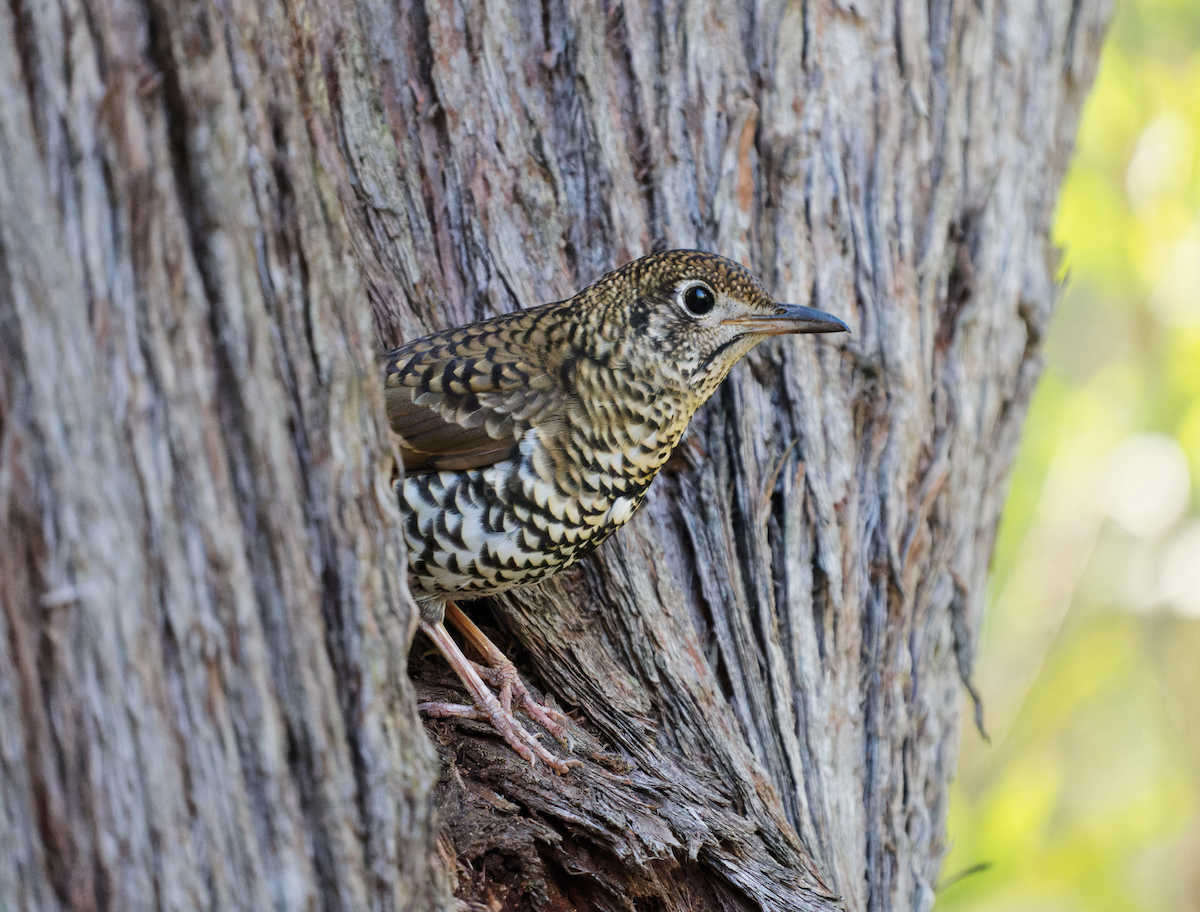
(462, 399)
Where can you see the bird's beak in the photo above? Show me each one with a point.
(791, 318)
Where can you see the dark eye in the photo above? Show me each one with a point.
(699, 300)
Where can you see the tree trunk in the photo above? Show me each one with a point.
(213, 219)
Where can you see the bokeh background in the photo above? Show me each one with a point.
(1087, 797)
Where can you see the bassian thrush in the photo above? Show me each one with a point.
(528, 439)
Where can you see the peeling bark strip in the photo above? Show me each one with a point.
(213, 216)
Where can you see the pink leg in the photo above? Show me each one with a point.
(501, 673)
(487, 708)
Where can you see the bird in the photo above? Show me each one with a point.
(529, 438)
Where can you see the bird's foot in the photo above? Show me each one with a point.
(487, 707)
(506, 725)
(505, 678)
(500, 672)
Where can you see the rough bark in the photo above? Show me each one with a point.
(215, 216)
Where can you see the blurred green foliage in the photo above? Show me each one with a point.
(1089, 665)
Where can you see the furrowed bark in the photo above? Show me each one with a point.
(214, 217)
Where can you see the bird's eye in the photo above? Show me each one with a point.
(699, 300)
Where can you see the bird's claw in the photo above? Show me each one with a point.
(501, 673)
(519, 738)
(507, 680)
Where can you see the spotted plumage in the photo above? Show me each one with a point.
(528, 439)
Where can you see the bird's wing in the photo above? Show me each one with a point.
(463, 398)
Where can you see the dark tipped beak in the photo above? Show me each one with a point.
(792, 318)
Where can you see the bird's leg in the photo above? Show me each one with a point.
(502, 674)
(487, 708)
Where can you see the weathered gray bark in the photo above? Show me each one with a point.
(215, 216)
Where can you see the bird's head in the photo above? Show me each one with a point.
(692, 316)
